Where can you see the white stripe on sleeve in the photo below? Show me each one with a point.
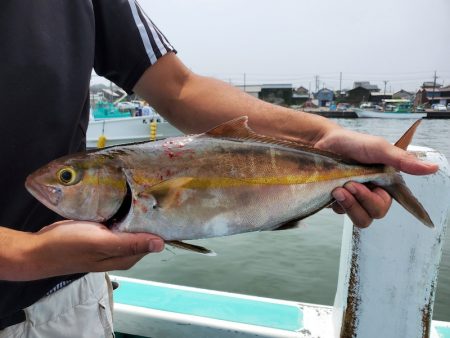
(142, 32)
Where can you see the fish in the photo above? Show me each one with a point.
(226, 181)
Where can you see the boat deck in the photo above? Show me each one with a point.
(151, 309)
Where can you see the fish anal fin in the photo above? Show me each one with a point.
(191, 247)
(294, 224)
(405, 140)
(166, 193)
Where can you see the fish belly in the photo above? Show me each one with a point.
(227, 211)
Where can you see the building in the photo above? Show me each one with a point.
(300, 96)
(277, 93)
(404, 95)
(366, 85)
(377, 98)
(432, 95)
(358, 95)
(252, 90)
(324, 97)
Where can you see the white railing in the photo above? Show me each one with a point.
(388, 272)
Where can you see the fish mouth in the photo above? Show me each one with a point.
(48, 195)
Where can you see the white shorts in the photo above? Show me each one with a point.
(82, 309)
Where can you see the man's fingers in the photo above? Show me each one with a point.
(354, 210)
(376, 202)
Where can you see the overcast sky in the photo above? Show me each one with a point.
(291, 41)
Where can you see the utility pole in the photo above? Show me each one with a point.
(385, 83)
(340, 83)
(317, 82)
(434, 87)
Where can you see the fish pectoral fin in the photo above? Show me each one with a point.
(191, 247)
(166, 193)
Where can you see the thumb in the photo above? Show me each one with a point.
(131, 244)
(408, 162)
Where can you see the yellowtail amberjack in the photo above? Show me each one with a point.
(226, 181)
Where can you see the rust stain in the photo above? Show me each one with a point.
(349, 318)
(427, 312)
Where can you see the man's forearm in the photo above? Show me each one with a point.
(195, 103)
(14, 256)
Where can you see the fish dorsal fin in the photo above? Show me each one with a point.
(238, 130)
(405, 140)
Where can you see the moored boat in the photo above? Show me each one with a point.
(392, 109)
(128, 130)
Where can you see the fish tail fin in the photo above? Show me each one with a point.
(397, 187)
(401, 193)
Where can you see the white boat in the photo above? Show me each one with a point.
(127, 130)
(388, 115)
(393, 109)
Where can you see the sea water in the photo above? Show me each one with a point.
(302, 264)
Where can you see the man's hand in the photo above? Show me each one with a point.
(361, 203)
(71, 247)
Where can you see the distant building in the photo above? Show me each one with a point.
(252, 90)
(300, 96)
(404, 95)
(432, 95)
(431, 84)
(324, 97)
(378, 98)
(277, 93)
(357, 95)
(301, 91)
(366, 85)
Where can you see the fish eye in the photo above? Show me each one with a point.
(67, 176)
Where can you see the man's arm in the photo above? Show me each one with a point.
(70, 247)
(195, 104)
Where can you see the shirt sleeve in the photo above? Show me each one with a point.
(127, 42)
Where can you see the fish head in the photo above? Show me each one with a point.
(82, 187)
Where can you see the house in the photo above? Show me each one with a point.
(366, 85)
(357, 95)
(324, 96)
(404, 95)
(300, 96)
(432, 95)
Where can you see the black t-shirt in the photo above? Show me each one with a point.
(47, 52)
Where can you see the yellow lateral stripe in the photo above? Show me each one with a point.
(225, 182)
